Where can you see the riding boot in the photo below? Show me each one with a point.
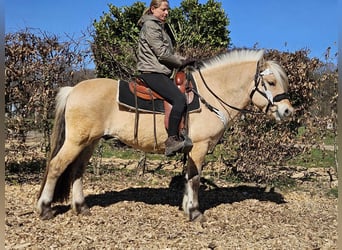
(173, 145)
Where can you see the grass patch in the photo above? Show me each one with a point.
(326, 137)
(329, 138)
(106, 149)
(284, 183)
(109, 149)
(314, 158)
(333, 192)
(301, 132)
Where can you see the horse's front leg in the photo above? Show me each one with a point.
(193, 176)
(190, 198)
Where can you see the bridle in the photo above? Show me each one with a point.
(259, 77)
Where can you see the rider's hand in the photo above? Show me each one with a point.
(188, 62)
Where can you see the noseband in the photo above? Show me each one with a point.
(259, 78)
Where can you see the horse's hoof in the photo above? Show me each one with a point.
(46, 213)
(197, 216)
(82, 209)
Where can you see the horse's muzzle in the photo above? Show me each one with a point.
(282, 110)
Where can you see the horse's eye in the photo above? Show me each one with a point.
(271, 83)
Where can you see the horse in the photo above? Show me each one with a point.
(89, 111)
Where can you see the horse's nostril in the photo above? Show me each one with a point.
(287, 112)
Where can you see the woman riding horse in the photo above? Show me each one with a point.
(157, 63)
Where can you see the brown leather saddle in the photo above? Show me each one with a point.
(140, 89)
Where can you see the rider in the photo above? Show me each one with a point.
(157, 63)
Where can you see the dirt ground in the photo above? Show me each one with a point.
(132, 211)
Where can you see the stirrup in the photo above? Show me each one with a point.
(187, 145)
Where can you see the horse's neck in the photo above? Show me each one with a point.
(230, 82)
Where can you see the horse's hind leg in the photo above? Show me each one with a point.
(56, 167)
(78, 201)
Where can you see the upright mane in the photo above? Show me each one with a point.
(248, 55)
(234, 56)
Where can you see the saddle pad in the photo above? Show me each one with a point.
(126, 98)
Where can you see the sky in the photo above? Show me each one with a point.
(285, 25)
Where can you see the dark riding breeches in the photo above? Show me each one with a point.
(166, 88)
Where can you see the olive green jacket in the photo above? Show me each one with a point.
(155, 48)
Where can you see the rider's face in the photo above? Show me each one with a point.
(161, 12)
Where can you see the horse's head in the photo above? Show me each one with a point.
(269, 92)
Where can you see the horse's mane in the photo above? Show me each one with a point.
(234, 56)
(246, 55)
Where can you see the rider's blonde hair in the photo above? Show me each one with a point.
(155, 4)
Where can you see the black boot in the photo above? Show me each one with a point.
(173, 145)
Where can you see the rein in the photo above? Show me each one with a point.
(222, 101)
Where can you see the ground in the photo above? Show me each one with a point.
(134, 211)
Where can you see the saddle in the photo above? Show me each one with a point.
(140, 89)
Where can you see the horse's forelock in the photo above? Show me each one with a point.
(279, 73)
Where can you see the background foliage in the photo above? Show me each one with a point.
(200, 32)
(262, 146)
(36, 65)
(253, 149)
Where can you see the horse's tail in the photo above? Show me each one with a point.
(57, 140)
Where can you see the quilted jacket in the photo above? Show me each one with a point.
(155, 48)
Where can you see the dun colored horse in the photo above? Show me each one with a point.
(89, 111)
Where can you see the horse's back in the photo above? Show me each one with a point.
(90, 106)
(97, 90)
(96, 85)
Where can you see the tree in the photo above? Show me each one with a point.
(36, 65)
(201, 31)
(115, 41)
